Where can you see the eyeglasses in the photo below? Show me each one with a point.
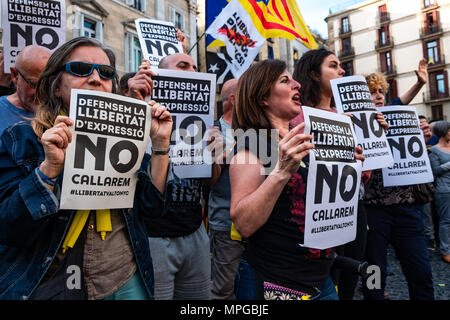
(85, 69)
(30, 83)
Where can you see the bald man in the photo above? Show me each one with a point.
(178, 61)
(21, 105)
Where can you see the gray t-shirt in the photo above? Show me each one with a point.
(440, 163)
(220, 195)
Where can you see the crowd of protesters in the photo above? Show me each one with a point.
(161, 248)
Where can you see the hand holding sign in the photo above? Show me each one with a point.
(55, 142)
(292, 149)
(141, 85)
(161, 126)
(215, 144)
(181, 38)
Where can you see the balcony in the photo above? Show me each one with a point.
(431, 6)
(346, 53)
(345, 31)
(435, 97)
(390, 72)
(384, 18)
(431, 31)
(436, 65)
(386, 45)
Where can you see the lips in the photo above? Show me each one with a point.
(296, 98)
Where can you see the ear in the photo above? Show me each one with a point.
(14, 75)
(314, 76)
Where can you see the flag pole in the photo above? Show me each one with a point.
(195, 44)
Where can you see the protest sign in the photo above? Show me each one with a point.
(411, 162)
(352, 96)
(334, 178)
(37, 22)
(158, 39)
(109, 138)
(235, 28)
(189, 97)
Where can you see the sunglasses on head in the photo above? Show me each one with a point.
(84, 69)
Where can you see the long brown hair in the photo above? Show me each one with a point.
(49, 105)
(253, 88)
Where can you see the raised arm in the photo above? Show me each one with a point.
(422, 78)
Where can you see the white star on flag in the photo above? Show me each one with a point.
(213, 68)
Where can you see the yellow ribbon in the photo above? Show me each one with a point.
(103, 221)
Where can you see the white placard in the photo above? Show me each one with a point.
(334, 178)
(109, 138)
(37, 22)
(235, 28)
(352, 96)
(189, 97)
(158, 39)
(411, 162)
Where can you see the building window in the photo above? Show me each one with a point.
(137, 4)
(348, 67)
(136, 54)
(383, 36)
(438, 85)
(432, 52)
(428, 3)
(346, 45)
(87, 26)
(270, 54)
(345, 27)
(436, 112)
(392, 92)
(384, 15)
(133, 53)
(386, 62)
(177, 18)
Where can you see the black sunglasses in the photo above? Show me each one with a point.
(84, 69)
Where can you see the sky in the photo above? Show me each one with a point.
(315, 11)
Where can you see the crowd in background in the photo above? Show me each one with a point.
(234, 235)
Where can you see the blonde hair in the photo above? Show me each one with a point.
(377, 79)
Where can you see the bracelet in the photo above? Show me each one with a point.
(160, 152)
(50, 181)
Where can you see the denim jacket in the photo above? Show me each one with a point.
(32, 227)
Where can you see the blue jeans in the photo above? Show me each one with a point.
(443, 209)
(328, 291)
(402, 227)
(244, 283)
(427, 218)
(133, 289)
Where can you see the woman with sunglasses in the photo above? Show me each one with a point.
(33, 231)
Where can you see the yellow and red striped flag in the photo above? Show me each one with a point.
(278, 19)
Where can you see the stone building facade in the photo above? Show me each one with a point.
(391, 36)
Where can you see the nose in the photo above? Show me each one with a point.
(341, 72)
(296, 85)
(94, 78)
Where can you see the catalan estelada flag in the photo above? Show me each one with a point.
(279, 19)
(272, 18)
